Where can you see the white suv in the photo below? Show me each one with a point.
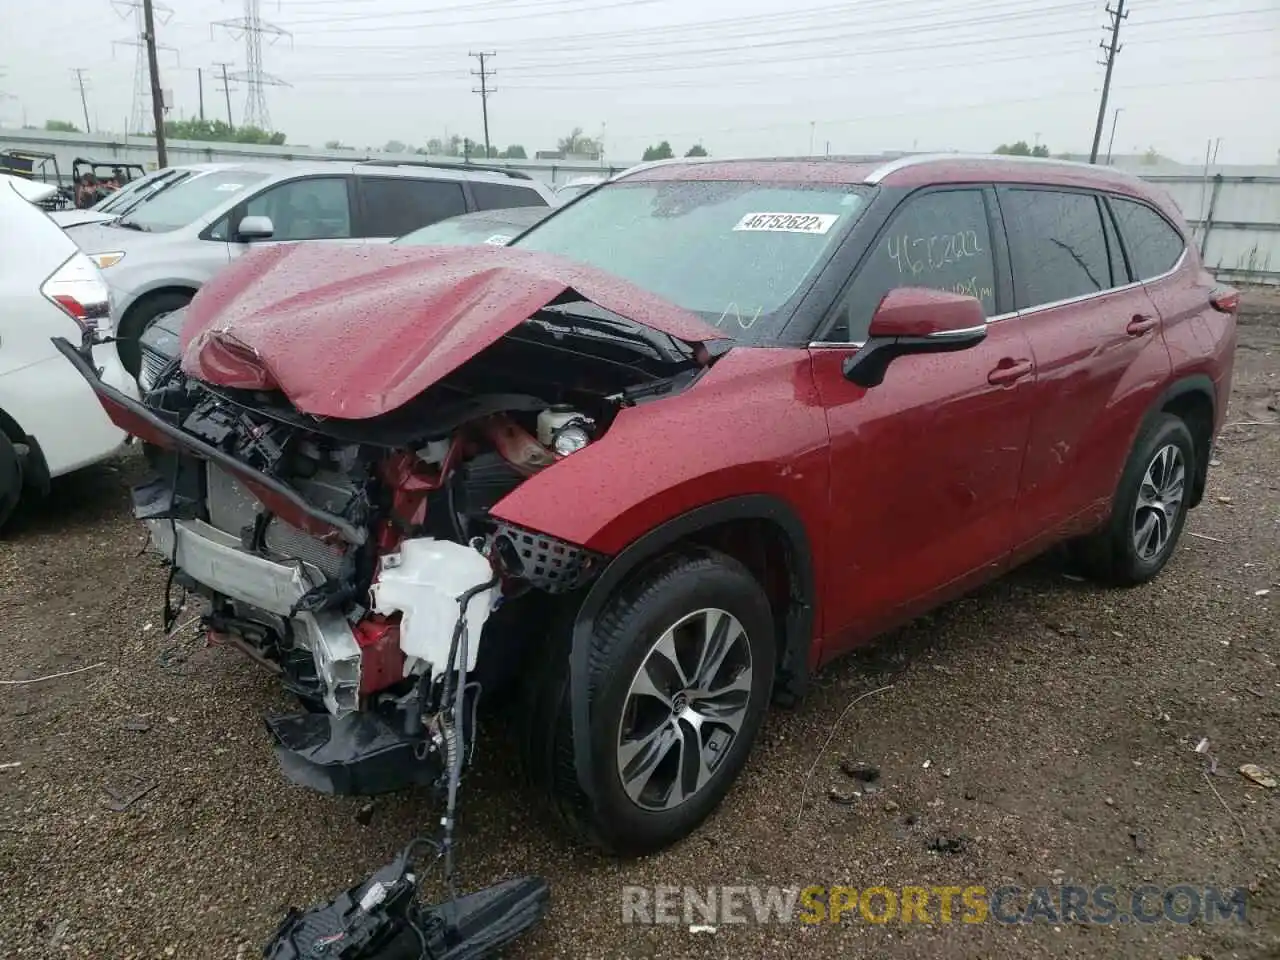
(50, 421)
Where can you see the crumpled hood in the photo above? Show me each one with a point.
(352, 333)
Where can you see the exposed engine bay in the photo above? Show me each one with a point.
(343, 574)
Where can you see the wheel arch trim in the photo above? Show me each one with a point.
(793, 665)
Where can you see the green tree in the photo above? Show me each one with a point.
(1151, 157)
(697, 150)
(661, 152)
(61, 126)
(394, 146)
(576, 143)
(219, 131)
(334, 145)
(1022, 149)
(514, 152)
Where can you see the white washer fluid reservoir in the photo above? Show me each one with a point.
(423, 581)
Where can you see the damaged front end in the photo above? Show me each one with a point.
(336, 552)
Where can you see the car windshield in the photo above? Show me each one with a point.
(135, 193)
(734, 253)
(461, 230)
(188, 201)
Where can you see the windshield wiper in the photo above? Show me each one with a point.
(664, 345)
(130, 225)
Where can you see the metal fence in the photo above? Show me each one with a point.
(1236, 222)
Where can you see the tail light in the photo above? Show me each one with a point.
(78, 289)
(1225, 299)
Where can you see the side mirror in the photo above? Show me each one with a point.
(915, 320)
(255, 228)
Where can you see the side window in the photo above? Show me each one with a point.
(394, 207)
(939, 240)
(500, 196)
(314, 208)
(1154, 245)
(1058, 246)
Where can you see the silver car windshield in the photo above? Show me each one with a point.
(188, 201)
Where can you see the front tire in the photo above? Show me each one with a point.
(681, 669)
(141, 316)
(1150, 508)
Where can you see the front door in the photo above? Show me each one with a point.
(925, 466)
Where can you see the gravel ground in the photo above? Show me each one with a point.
(1058, 722)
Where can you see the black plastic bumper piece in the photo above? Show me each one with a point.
(396, 927)
(356, 755)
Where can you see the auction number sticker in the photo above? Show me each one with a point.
(788, 222)
(499, 240)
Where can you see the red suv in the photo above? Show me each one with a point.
(694, 435)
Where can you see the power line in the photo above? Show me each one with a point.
(84, 103)
(1118, 16)
(252, 28)
(484, 91)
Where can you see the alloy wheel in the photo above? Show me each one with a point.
(1159, 502)
(684, 709)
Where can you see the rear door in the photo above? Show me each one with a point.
(393, 206)
(1100, 357)
(924, 467)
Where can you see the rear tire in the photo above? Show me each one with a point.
(11, 479)
(139, 317)
(697, 728)
(1150, 508)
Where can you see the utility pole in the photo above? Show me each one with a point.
(1117, 16)
(157, 95)
(1112, 142)
(84, 103)
(200, 86)
(484, 91)
(226, 89)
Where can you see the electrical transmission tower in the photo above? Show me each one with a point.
(1111, 49)
(142, 111)
(252, 28)
(484, 90)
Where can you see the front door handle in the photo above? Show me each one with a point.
(1009, 371)
(1140, 324)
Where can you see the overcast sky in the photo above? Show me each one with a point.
(741, 76)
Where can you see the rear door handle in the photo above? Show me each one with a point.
(1010, 371)
(1140, 324)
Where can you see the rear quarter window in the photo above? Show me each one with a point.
(1152, 243)
(399, 205)
(503, 196)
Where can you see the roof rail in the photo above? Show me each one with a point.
(435, 164)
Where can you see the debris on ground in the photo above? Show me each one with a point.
(1261, 593)
(926, 765)
(1258, 775)
(364, 816)
(10, 765)
(865, 772)
(136, 724)
(1139, 841)
(701, 928)
(1226, 500)
(948, 843)
(1203, 745)
(843, 797)
(127, 791)
(890, 806)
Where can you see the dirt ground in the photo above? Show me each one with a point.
(1051, 723)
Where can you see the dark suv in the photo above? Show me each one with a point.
(683, 442)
